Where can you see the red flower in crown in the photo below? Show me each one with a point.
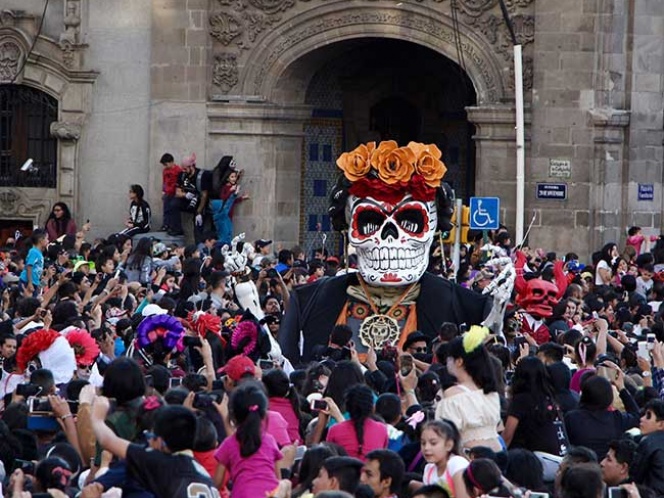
(388, 171)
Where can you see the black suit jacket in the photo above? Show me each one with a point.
(314, 308)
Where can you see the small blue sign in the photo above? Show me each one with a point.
(556, 191)
(484, 213)
(646, 192)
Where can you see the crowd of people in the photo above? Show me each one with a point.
(132, 368)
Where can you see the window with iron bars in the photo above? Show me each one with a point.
(26, 115)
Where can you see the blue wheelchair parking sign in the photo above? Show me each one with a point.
(484, 213)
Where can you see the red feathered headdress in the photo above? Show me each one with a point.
(202, 323)
(32, 345)
(84, 346)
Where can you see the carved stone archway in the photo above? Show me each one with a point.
(337, 22)
(56, 68)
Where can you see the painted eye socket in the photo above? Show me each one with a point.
(369, 221)
(411, 220)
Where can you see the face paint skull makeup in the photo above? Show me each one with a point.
(392, 241)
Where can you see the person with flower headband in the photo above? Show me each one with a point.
(389, 201)
(473, 404)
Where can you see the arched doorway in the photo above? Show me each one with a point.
(379, 89)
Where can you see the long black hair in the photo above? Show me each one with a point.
(531, 377)
(142, 251)
(477, 363)
(312, 461)
(248, 408)
(60, 223)
(345, 375)
(360, 405)
(277, 385)
(138, 190)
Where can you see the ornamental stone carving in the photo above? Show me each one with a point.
(11, 57)
(72, 22)
(66, 132)
(7, 18)
(432, 29)
(8, 201)
(225, 71)
(272, 6)
(225, 27)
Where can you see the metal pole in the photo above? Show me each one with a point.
(456, 252)
(520, 145)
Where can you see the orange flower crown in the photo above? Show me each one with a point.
(388, 171)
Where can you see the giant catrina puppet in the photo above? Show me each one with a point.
(391, 201)
(536, 298)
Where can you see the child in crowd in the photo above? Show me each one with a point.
(222, 208)
(169, 176)
(139, 213)
(34, 264)
(251, 454)
(440, 448)
(636, 240)
(167, 467)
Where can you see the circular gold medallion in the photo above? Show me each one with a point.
(377, 330)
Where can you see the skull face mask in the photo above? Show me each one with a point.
(392, 241)
(540, 298)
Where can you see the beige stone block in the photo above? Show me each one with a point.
(548, 22)
(579, 61)
(592, 6)
(575, 23)
(167, 54)
(565, 42)
(582, 219)
(197, 4)
(196, 74)
(196, 38)
(647, 82)
(197, 19)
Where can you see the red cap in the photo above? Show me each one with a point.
(237, 367)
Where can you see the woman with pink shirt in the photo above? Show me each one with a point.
(361, 434)
(283, 400)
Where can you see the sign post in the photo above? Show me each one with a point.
(484, 213)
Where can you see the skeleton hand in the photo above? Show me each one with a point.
(500, 289)
(189, 196)
(235, 261)
(199, 220)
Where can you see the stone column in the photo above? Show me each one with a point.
(266, 141)
(67, 133)
(495, 169)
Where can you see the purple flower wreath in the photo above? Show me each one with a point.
(159, 327)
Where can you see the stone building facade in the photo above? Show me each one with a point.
(286, 85)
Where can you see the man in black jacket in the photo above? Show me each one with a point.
(648, 466)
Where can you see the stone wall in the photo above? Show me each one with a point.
(115, 142)
(178, 84)
(597, 103)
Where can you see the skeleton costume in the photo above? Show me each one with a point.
(390, 200)
(536, 298)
